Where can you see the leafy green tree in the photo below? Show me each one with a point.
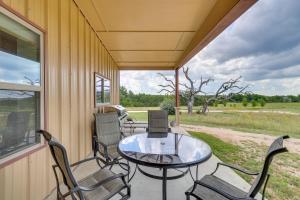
(262, 102)
(254, 103)
(245, 102)
(168, 105)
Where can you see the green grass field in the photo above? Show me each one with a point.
(257, 122)
(284, 107)
(285, 179)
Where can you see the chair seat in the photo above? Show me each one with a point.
(213, 181)
(105, 191)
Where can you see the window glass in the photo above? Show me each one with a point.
(19, 118)
(19, 53)
(102, 90)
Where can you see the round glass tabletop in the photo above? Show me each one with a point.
(164, 150)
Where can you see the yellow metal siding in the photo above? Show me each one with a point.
(74, 53)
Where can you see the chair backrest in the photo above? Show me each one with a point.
(17, 126)
(60, 157)
(158, 121)
(275, 148)
(108, 128)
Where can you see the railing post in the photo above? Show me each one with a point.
(177, 98)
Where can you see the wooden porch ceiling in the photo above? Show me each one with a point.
(159, 34)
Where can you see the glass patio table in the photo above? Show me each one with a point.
(164, 151)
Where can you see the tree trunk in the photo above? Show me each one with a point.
(205, 107)
(190, 105)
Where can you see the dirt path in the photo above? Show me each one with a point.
(237, 136)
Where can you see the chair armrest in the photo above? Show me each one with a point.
(235, 167)
(95, 186)
(99, 142)
(122, 134)
(85, 160)
(223, 193)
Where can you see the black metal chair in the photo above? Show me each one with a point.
(106, 138)
(211, 187)
(101, 185)
(158, 121)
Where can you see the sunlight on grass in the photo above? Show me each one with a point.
(263, 123)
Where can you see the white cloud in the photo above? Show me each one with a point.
(263, 46)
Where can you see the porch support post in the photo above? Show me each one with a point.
(177, 98)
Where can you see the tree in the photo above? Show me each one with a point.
(168, 105)
(191, 89)
(245, 102)
(225, 92)
(169, 88)
(262, 102)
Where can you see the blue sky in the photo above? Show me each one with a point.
(263, 46)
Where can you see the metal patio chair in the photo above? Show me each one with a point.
(106, 138)
(16, 133)
(101, 185)
(158, 121)
(211, 187)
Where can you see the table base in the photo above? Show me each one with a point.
(182, 174)
(164, 179)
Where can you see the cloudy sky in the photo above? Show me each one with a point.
(263, 46)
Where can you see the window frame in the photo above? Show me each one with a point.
(22, 87)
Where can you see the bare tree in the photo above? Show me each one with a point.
(191, 89)
(225, 92)
(170, 87)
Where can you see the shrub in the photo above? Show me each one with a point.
(224, 103)
(245, 102)
(262, 102)
(169, 106)
(254, 103)
(216, 104)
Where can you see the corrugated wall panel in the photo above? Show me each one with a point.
(81, 86)
(88, 75)
(74, 53)
(74, 83)
(65, 73)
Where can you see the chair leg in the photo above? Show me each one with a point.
(128, 191)
(187, 196)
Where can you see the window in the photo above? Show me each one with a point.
(102, 90)
(21, 85)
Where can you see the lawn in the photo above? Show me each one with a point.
(284, 182)
(284, 107)
(262, 123)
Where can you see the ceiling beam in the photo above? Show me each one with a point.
(146, 68)
(209, 31)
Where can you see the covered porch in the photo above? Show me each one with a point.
(84, 37)
(175, 188)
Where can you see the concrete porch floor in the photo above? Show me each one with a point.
(145, 188)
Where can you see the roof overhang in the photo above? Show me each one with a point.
(159, 34)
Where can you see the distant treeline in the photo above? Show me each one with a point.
(129, 99)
